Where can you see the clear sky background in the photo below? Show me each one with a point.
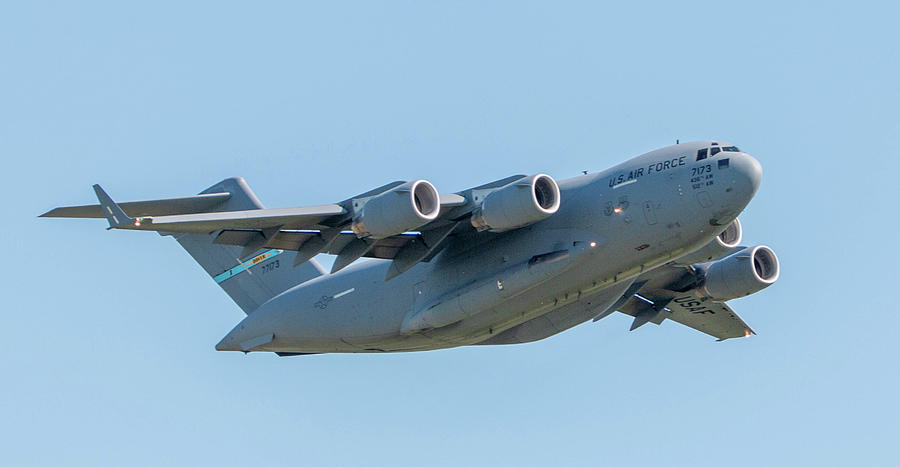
(108, 337)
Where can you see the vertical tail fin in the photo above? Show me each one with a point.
(249, 282)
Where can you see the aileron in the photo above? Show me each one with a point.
(153, 207)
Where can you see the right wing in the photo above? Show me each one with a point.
(670, 292)
(714, 318)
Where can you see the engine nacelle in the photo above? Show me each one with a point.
(518, 204)
(725, 242)
(743, 273)
(401, 209)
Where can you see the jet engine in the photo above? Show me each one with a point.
(401, 209)
(743, 273)
(722, 244)
(518, 204)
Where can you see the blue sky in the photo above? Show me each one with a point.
(108, 355)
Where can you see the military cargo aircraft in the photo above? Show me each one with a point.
(512, 261)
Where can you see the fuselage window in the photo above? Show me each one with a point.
(701, 154)
(713, 151)
(731, 149)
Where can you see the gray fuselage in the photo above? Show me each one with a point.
(611, 227)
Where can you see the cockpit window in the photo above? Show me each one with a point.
(701, 154)
(731, 149)
(713, 151)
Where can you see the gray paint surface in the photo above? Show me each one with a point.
(450, 285)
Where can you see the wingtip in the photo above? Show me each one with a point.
(114, 214)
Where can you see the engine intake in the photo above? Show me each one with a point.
(725, 242)
(743, 273)
(404, 208)
(518, 204)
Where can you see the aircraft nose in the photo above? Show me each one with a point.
(748, 172)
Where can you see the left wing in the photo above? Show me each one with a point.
(309, 230)
(261, 219)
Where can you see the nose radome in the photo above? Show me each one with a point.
(749, 169)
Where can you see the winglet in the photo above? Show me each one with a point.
(114, 214)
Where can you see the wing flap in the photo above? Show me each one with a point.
(239, 237)
(297, 218)
(293, 240)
